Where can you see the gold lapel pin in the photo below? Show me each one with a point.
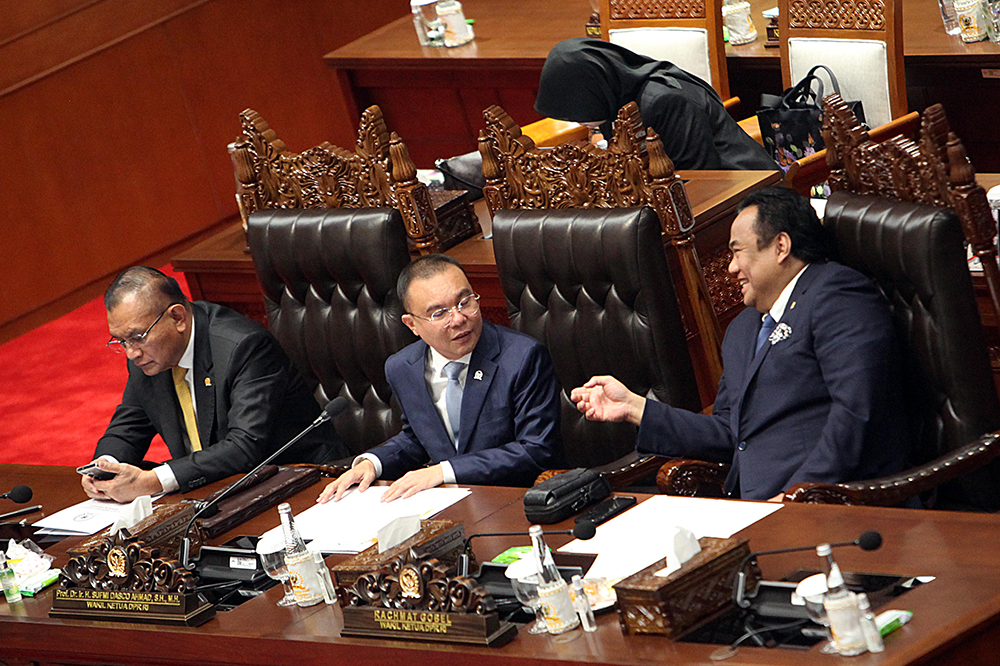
(792, 306)
(208, 381)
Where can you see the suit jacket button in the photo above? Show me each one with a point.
(742, 446)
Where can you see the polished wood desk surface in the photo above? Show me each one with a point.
(955, 617)
(521, 33)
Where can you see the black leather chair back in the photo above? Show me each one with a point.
(329, 283)
(915, 256)
(594, 287)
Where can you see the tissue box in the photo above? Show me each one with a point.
(441, 539)
(672, 605)
(164, 530)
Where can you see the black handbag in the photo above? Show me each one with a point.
(791, 125)
(563, 495)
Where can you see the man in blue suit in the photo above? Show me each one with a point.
(480, 402)
(810, 388)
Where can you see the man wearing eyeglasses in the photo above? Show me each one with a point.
(214, 385)
(480, 402)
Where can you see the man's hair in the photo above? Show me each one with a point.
(780, 209)
(136, 279)
(420, 269)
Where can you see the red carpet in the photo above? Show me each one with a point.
(59, 386)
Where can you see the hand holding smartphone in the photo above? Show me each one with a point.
(96, 472)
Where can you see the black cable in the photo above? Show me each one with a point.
(763, 630)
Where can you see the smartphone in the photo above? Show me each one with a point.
(96, 472)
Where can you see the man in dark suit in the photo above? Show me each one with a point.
(480, 402)
(810, 390)
(216, 386)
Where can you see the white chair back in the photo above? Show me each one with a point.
(685, 47)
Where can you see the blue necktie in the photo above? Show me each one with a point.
(453, 396)
(765, 330)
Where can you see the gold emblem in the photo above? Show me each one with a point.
(409, 582)
(208, 381)
(117, 562)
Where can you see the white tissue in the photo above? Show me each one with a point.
(685, 546)
(130, 514)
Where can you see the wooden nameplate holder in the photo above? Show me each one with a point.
(162, 530)
(672, 605)
(422, 600)
(123, 579)
(439, 539)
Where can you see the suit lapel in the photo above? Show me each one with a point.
(204, 389)
(482, 370)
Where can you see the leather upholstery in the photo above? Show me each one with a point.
(915, 255)
(329, 283)
(593, 286)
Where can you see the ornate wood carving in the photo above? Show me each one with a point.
(690, 478)
(379, 173)
(422, 585)
(933, 170)
(837, 14)
(657, 9)
(725, 291)
(633, 171)
(119, 564)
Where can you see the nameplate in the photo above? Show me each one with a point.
(190, 609)
(466, 628)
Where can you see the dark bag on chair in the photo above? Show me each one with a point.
(563, 495)
(791, 125)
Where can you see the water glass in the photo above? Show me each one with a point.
(526, 591)
(274, 566)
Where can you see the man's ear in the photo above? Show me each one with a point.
(178, 315)
(410, 323)
(783, 246)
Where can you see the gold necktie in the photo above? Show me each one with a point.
(187, 406)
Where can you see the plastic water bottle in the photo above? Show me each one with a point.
(303, 574)
(430, 32)
(949, 16)
(841, 608)
(553, 593)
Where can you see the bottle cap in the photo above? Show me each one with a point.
(535, 530)
(863, 602)
(823, 549)
(420, 3)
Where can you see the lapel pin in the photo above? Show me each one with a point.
(792, 306)
(478, 375)
(208, 381)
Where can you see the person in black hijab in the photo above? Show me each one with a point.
(589, 80)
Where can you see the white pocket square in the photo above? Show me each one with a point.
(780, 332)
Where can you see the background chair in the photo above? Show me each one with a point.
(593, 286)
(329, 283)
(380, 173)
(632, 172)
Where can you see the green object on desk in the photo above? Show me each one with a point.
(512, 555)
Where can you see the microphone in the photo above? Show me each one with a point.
(18, 494)
(870, 540)
(584, 530)
(332, 410)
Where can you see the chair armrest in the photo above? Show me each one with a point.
(549, 132)
(731, 104)
(752, 127)
(894, 490)
(690, 478)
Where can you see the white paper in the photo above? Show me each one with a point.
(89, 517)
(639, 537)
(397, 531)
(352, 524)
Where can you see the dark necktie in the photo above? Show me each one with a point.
(453, 396)
(765, 330)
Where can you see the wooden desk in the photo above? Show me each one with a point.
(955, 617)
(434, 97)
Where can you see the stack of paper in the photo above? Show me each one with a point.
(81, 519)
(352, 524)
(640, 536)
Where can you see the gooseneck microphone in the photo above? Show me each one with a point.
(18, 494)
(583, 530)
(870, 540)
(332, 410)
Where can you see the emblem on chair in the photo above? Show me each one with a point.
(780, 332)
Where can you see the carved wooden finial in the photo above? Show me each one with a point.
(660, 164)
(373, 137)
(491, 167)
(960, 170)
(403, 168)
(244, 164)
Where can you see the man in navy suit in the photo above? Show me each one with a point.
(810, 388)
(480, 402)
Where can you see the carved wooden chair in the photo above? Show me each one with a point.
(634, 171)
(862, 42)
(894, 215)
(379, 173)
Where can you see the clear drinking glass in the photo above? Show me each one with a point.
(526, 591)
(274, 566)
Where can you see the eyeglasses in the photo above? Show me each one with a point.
(120, 346)
(467, 306)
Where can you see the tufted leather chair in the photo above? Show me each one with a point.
(594, 287)
(914, 254)
(329, 283)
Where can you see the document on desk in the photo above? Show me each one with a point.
(351, 525)
(83, 519)
(637, 538)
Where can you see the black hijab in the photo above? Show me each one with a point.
(586, 80)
